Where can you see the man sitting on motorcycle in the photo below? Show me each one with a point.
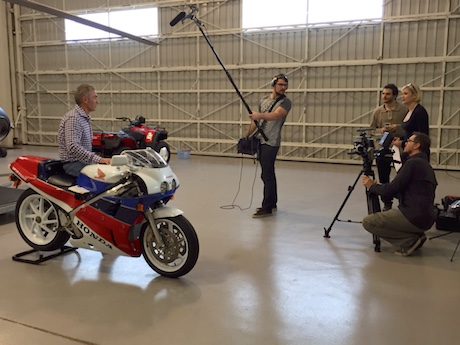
(75, 133)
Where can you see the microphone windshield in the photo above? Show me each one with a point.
(177, 18)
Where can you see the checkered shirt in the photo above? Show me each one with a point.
(75, 136)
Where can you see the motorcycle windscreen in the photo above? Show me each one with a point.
(147, 158)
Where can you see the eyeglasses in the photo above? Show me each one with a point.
(282, 84)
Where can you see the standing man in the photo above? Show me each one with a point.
(273, 110)
(75, 133)
(388, 118)
(415, 185)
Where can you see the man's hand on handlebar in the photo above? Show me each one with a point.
(105, 161)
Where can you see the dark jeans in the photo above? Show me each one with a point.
(73, 168)
(267, 157)
(384, 170)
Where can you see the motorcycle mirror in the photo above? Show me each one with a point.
(119, 160)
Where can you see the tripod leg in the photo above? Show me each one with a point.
(350, 190)
(376, 241)
(373, 206)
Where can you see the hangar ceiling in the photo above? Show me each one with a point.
(336, 73)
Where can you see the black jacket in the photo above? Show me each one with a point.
(415, 186)
(418, 122)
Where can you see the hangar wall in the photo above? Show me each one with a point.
(336, 73)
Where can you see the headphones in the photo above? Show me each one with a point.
(278, 77)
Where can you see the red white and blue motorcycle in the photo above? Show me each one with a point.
(117, 209)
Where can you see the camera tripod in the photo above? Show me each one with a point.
(373, 205)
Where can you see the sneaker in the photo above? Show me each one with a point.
(387, 206)
(422, 241)
(274, 209)
(260, 213)
(408, 251)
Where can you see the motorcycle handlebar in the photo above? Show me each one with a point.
(123, 118)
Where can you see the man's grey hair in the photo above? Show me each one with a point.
(82, 91)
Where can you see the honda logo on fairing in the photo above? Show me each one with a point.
(91, 234)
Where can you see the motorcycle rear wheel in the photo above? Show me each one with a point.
(163, 149)
(37, 221)
(180, 252)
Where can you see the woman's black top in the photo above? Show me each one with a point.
(418, 122)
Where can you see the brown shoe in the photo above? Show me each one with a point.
(416, 245)
(260, 213)
(274, 209)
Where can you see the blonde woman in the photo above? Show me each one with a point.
(416, 119)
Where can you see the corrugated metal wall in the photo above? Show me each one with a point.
(336, 74)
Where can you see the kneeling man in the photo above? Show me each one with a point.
(414, 186)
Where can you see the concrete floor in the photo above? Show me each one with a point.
(258, 281)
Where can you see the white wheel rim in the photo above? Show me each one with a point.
(159, 257)
(38, 219)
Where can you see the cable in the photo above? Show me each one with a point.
(233, 205)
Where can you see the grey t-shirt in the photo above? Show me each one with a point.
(272, 129)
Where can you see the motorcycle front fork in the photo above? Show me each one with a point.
(153, 226)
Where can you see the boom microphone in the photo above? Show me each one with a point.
(177, 18)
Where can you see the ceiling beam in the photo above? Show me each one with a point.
(62, 14)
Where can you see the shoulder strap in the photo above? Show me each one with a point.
(276, 101)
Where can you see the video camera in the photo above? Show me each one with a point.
(363, 146)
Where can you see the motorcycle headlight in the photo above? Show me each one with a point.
(173, 184)
(164, 187)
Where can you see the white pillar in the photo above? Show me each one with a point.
(5, 80)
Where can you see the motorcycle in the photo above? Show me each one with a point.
(117, 209)
(136, 136)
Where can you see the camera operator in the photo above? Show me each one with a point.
(388, 118)
(415, 186)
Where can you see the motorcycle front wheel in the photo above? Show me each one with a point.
(163, 149)
(180, 251)
(38, 223)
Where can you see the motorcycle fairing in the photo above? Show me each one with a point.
(154, 177)
(27, 169)
(64, 199)
(146, 200)
(112, 236)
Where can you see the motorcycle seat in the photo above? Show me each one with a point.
(52, 171)
(62, 180)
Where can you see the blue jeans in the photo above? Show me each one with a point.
(267, 157)
(73, 168)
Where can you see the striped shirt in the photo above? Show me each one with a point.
(75, 137)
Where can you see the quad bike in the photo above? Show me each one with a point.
(136, 136)
(117, 209)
